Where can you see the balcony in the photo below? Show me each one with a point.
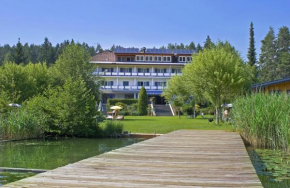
(123, 88)
(135, 74)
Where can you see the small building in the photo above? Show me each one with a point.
(275, 86)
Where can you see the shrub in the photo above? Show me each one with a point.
(112, 128)
(187, 109)
(142, 102)
(263, 119)
(113, 102)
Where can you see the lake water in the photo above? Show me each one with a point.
(272, 167)
(52, 153)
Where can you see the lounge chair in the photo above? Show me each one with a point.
(119, 118)
(109, 117)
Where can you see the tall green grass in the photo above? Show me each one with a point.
(22, 124)
(263, 119)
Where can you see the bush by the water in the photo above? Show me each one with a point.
(111, 128)
(65, 93)
(263, 119)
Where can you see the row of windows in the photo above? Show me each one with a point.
(185, 58)
(139, 83)
(142, 70)
(150, 58)
(154, 58)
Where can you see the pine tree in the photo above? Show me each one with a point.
(181, 46)
(191, 46)
(252, 50)
(142, 102)
(208, 44)
(113, 47)
(198, 48)
(99, 48)
(283, 52)
(47, 52)
(268, 57)
(18, 55)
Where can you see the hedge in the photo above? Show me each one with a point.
(112, 102)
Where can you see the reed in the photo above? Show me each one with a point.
(263, 119)
(22, 124)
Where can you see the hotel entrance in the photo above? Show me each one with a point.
(158, 99)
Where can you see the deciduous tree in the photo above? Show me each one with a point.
(217, 74)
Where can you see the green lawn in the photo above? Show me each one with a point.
(161, 125)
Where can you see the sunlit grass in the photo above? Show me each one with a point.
(166, 124)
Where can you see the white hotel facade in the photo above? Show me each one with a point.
(126, 70)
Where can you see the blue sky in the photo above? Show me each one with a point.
(140, 23)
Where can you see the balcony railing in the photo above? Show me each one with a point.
(119, 87)
(149, 74)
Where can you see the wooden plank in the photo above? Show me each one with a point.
(194, 158)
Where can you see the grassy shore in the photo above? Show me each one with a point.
(161, 125)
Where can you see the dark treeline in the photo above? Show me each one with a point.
(49, 53)
(46, 52)
(274, 60)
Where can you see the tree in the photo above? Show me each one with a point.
(176, 93)
(18, 55)
(283, 52)
(99, 48)
(217, 75)
(191, 46)
(199, 48)
(208, 43)
(252, 50)
(74, 63)
(142, 102)
(47, 52)
(268, 57)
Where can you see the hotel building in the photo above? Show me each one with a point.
(126, 70)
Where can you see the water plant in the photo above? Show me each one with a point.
(112, 128)
(263, 119)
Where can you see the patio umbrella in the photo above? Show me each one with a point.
(116, 108)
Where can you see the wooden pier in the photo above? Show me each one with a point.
(185, 158)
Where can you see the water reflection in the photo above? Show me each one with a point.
(53, 153)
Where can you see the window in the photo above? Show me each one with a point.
(175, 70)
(160, 83)
(275, 92)
(125, 83)
(129, 96)
(148, 58)
(141, 83)
(126, 70)
(160, 70)
(143, 70)
(140, 58)
(166, 58)
(107, 69)
(288, 92)
(108, 83)
(188, 58)
(181, 58)
(157, 58)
